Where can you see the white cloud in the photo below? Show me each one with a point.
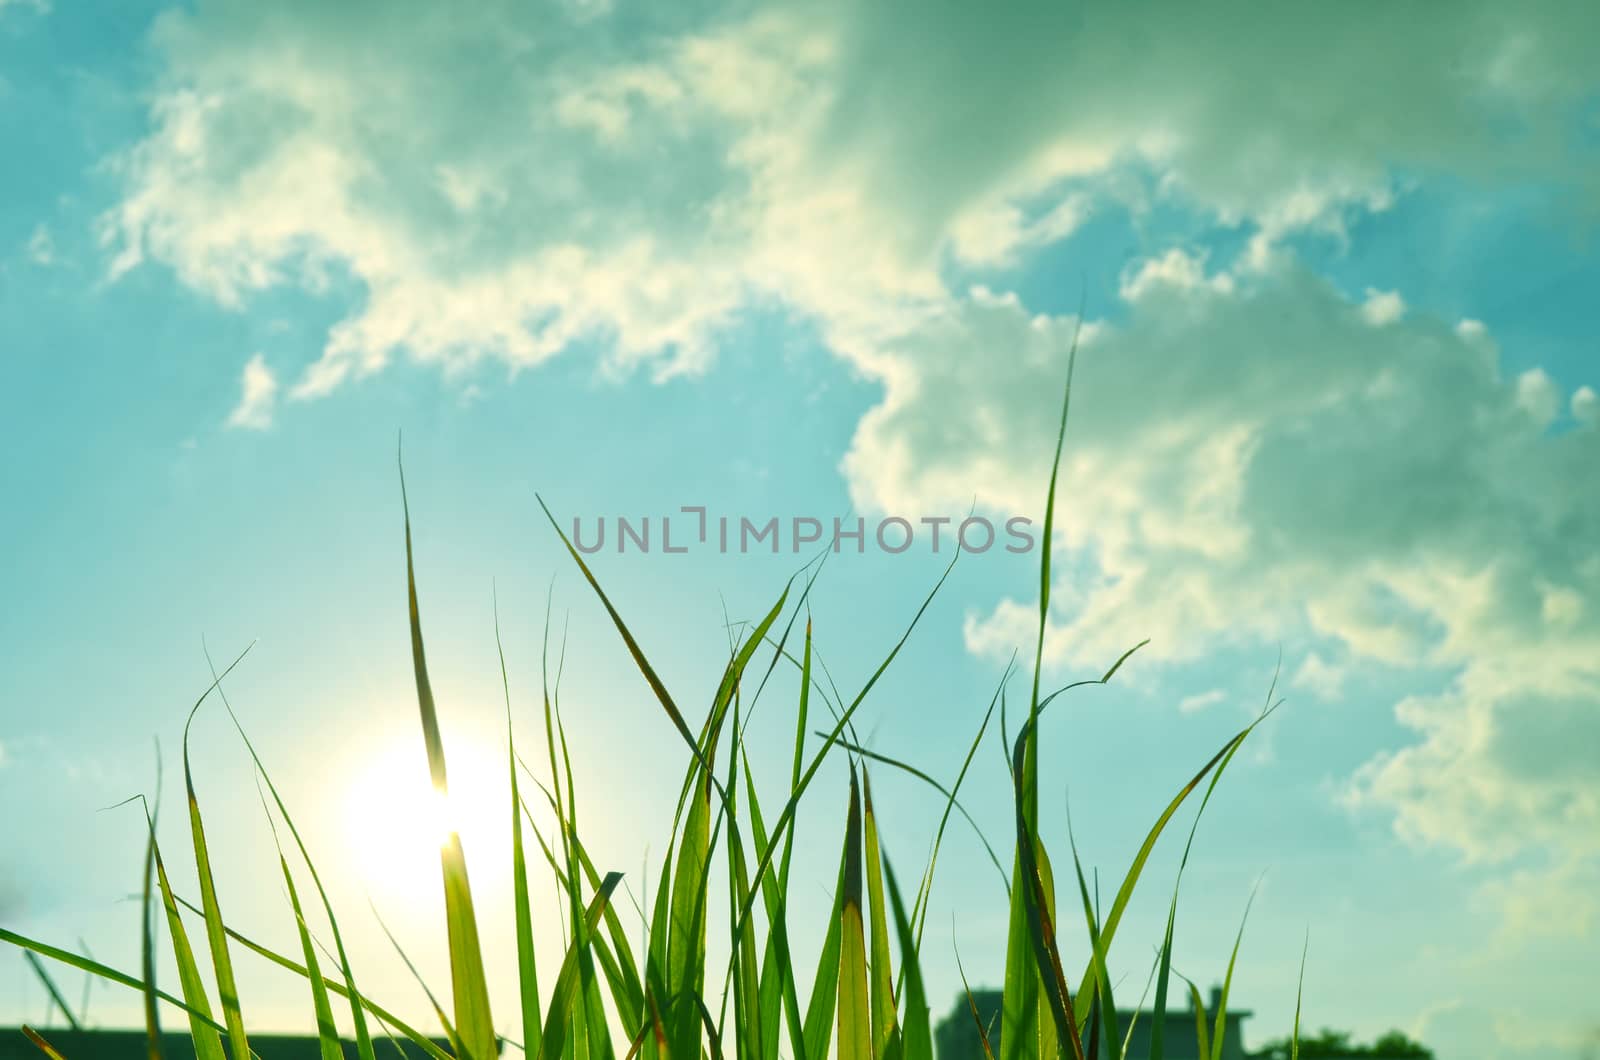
(41, 247)
(5, 757)
(1382, 307)
(1249, 450)
(1323, 679)
(1585, 406)
(1196, 703)
(258, 397)
(1538, 396)
(569, 182)
(1258, 461)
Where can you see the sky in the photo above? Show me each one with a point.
(1334, 418)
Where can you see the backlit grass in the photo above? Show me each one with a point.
(865, 998)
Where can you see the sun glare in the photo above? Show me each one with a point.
(396, 821)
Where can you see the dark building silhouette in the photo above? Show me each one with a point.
(956, 1036)
(130, 1045)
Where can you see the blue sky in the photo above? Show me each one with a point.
(1337, 402)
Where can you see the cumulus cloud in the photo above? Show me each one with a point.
(258, 397)
(506, 181)
(1254, 451)
(1255, 459)
(1382, 307)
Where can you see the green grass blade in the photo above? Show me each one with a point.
(855, 1012)
(327, 1034)
(1034, 896)
(427, 991)
(50, 988)
(470, 988)
(333, 986)
(216, 938)
(563, 996)
(825, 984)
(778, 987)
(917, 1036)
(1221, 1029)
(357, 1016)
(977, 1019)
(102, 971)
(527, 967)
(786, 818)
(207, 1043)
(1299, 991)
(1131, 878)
(1107, 1007)
(882, 982)
(147, 935)
(1198, 1004)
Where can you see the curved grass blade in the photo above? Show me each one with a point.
(882, 982)
(147, 935)
(469, 986)
(778, 987)
(1131, 878)
(972, 1004)
(916, 1040)
(102, 971)
(1034, 897)
(327, 1035)
(427, 991)
(216, 938)
(825, 985)
(558, 1020)
(207, 1043)
(855, 1014)
(1198, 1005)
(951, 803)
(1299, 990)
(1221, 1028)
(357, 1017)
(333, 986)
(786, 818)
(527, 967)
(1106, 1009)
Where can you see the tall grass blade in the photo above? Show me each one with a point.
(558, 1019)
(825, 984)
(216, 937)
(207, 1043)
(855, 1011)
(527, 967)
(1107, 1005)
(357, 1016)
(469, 986)
(333, 986)
(327, 1034)
(1221, 1030)
(917, 1037)
(1299, 991)
(147, 935)
(882, 983)
(1030, 940)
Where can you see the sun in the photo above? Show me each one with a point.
(395, 821)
